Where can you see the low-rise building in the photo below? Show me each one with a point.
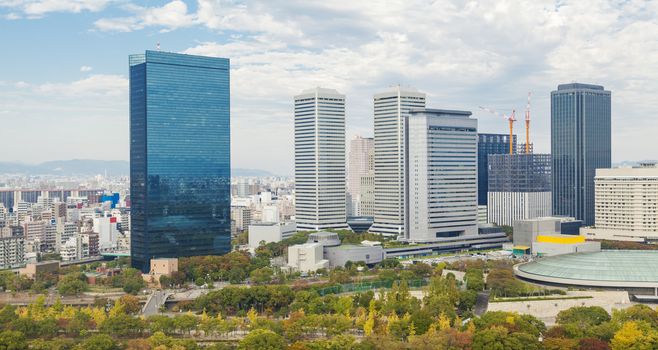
(31, 270)
(526, 231)
(549, 245)
(340, 255)
(269, 232)
(307, 257)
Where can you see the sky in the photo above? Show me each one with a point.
(64, 71)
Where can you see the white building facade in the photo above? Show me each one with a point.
(320, 160)
(441, 189)
(390, 109)
(626, 204)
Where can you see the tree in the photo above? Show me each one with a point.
(12, 340)
(98, 342)
(592, 344)
(503, 283)
(262, 275)
(389, 263)
(185, 323)
(122, 325)
(583, 316)
(72, 284)
(130, 304)
(161, 323)
(130, 280)
(561, 344)
(474, 280)
(262, 339)
(635, 335)
(499, 338)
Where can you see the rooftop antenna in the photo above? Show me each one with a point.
(157, 46)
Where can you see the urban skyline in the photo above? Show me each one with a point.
(497, 75)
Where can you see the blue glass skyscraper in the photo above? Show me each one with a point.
(580, 143)
(179, 156)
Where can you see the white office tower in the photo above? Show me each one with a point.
(320, 160)
(360, 164)
(441, 190)
(391, 107)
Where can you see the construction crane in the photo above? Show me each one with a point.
(527, 125)
(511, 119)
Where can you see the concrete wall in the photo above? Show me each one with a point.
(338, 256)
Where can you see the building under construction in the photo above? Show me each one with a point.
(519, 187)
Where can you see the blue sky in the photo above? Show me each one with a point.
(63, 77)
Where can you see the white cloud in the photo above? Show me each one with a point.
(39, 8)
(170, 16)
(94, 85)
(55, 113)
(86, 69)
(462, 53)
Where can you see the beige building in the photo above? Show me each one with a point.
(32, 269)
(161, 267)
(626, 204)
(360, 165)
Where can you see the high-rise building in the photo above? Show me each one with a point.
(179, 156)
(360, 164)
(519, 187)
(441, 187)
(12, 247)
(626, 204)
(391, 108)
(580, 144)
(489, 144)
(244, 189)
(320, 160)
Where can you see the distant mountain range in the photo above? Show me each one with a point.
(92, 167)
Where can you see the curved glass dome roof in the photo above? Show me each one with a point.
(606, 268)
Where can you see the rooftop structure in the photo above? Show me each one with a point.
(326, 239)
(629, 269)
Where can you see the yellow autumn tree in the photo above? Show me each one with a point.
(634, 335)
(252, 315)
(369, 325)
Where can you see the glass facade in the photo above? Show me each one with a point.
(489, 144)
(520, 172)
(179, 156)
(580, 143)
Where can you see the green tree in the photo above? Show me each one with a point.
(583, 316)
(130, 280)
(161, 323)
(98, 342)
(262, 275)
(122, 325)
(262, 339)
(185, 323)
(12, 340)
(499, 338)
(72, 284)
(474, 280)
